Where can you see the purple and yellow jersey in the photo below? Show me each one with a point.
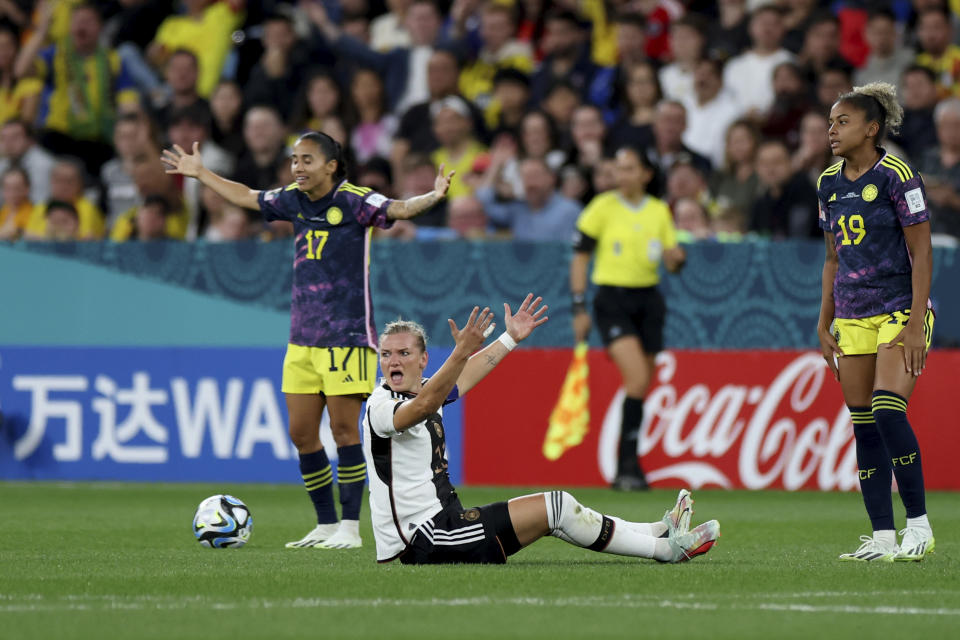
(867, 217)
(331, 304)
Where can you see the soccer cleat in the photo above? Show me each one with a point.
(916, 543)
(346, 537)
(319, 533)
(871, 551)
(678, 518)
(695, 542)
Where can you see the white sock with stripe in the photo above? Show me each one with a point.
(574, 523)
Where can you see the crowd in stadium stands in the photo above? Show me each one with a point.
(527, 99)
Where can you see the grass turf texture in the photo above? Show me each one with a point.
(119, 561)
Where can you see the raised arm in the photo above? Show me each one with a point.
(828, 345)
(412, 207)
(23, 66)
(180, 162)
(529, 316)
(436, 390)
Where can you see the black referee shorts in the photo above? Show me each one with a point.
(626, 311)
(482, 535)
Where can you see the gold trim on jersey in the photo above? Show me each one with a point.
(898, 165)
(829, 171)
(354, 189)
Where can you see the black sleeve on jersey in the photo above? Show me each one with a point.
(584, 243)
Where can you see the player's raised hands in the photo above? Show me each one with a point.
(442, 183)
(529, 316)
(179, 161)
(471, 336)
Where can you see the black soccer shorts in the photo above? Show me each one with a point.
(624, 311)
(481, 535)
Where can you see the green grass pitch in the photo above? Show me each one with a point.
(93, 560)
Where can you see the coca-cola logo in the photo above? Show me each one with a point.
(736, 434)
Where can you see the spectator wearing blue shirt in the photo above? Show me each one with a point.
(541, 214)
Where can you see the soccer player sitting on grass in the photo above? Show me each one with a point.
(417, 515)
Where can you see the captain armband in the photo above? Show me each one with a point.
(584, 243)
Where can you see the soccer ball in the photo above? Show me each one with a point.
(222, 521)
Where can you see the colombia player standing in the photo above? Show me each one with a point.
(876, 282)
(331, 359)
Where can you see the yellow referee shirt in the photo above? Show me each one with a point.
(630, 240)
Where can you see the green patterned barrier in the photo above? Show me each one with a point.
(748, 295)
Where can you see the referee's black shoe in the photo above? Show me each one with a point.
(629, 482)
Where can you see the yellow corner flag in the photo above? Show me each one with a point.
(570, 418)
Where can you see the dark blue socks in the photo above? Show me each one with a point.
(318, 480)
(890, 413)
(874, 469)
(351, 473)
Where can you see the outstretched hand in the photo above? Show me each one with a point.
(442, 184)
(529, 316)
(179, 161)
(470, 337)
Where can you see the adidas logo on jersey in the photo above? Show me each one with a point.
(349, 378)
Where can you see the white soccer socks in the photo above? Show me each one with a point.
(574, 523)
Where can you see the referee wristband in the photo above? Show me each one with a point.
(507, 341)
(578, 302)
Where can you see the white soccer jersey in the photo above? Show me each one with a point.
(407, 471)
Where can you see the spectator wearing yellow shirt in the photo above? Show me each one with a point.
(500, 50)
(18, 98)
(205, 30)
(453, 127)
(939, 54)
(144, 223)
(15, 185)
(604, 38)
(84, 84)
(66, 185)
(62, 222)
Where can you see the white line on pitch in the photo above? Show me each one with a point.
(35, 602)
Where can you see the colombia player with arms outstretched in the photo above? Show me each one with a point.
(331, 358)
(876, 283)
